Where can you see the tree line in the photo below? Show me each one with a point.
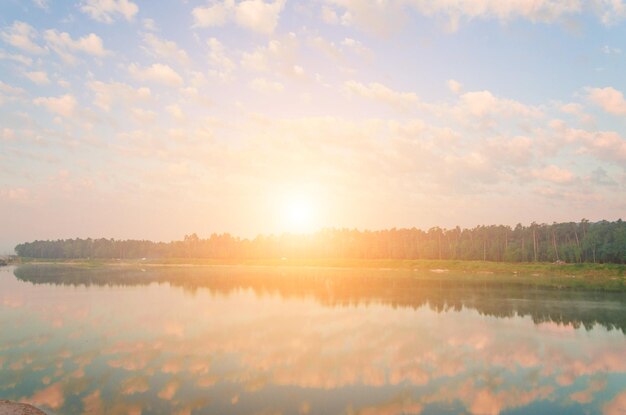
(572, 242)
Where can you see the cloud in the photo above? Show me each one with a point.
(63, 44)
(256, 15)
(382, 93)
(142, 116)
(554, 174)
(265, 86)
(106, 10)
(158, 73)
(21, 35)
(42, 4)
(278, 56)
(38, 77)
(176, 112)
(63, 105)
(10, 90)
(609, 99)
(608, 50)
(455, 86)
(149, 24)
(383, 17)
(107, 94)
(24, 60)
(222, 65)
(165, 49)
(259, 16)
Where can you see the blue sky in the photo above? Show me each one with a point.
(133, 119)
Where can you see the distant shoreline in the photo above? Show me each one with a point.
(609, 277)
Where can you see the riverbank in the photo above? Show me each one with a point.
(606, 277)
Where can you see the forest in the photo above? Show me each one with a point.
(571, 242)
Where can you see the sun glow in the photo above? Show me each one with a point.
(299, 213)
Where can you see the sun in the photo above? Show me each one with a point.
(299, 213)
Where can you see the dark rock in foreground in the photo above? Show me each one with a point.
(15, 408)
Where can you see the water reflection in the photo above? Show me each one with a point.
(342, 287)
(236, 340)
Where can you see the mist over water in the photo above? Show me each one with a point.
(304, 341)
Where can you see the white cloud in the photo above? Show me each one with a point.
(329, 15)
(279, 55)
(107, 94)
(63, 44)
(166, 49)
(158, 73)
(10, 90)
(21, 35)
(63, 105)
(150, 24)
(176, 112)
(142, 116)
(222, 65)
(382, 93)
(554, 174)
(455, 86)
(609, 99)
(610, 50)
(38, 77)
(385, 16)
(214, 15)
(265, 86)
(7, 134)
(106, 10)
(256, 15)
(24, 60)
(483, 104)
(259, 16)
(42, 4)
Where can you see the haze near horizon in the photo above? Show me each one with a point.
(152, 120)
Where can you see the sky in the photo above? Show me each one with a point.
(152, 120)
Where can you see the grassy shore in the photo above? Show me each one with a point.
(611, 277)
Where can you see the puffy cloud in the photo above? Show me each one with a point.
(278, 55)
(142, 116)
(165, 49)
(15, 57)
(21, 35)
(265, 86)
(106, 94)
(554, 174)
(63, 44)
(158, 73)
(382, 93)
(222, 65)
(609, 99)
(10, 90)
(38, 77)
(213, 15)
(63, 105)
(256, 15)
(381, 17)
(176, 112)
(455, 86)
(42, 4)
(106, 10)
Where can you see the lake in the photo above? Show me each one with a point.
(243, 340)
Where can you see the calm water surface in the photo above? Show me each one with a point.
(271, 341)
